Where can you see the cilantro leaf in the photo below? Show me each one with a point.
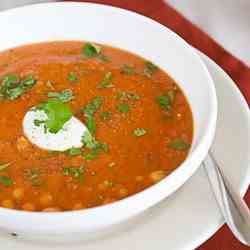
(123, 107)
(149, 69)
(127, 70)
(91, 50)
(127, 96)
(11, 87)
(65, 96)
(93, 106)
(166, 101)
(106, 115)
(74, 151)
(6, 181)
(106, 82)
(139, 132)
(179, 144)
(76, 173)
(72, 77)
(57, 113)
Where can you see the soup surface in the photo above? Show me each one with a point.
(139, 125)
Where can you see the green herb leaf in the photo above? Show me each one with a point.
(106, 82)
(76, 173)
(139, 132)
(164, 102)
(89, 140)
(57, 112)
(64, 96)
(6, 181)
(91, 50)
(94, 153)
(179, 144)
(74, 151)
(93, 106)
(4, 166)
(127, 96)
(12, 88)
(103, 58)
(149, 69)
(38, 122)
(123, 107)
(96, 147)
(127, 70)
(72, 77)
(91, 125)
(106, 115)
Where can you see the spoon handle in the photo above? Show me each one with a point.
(232, 206)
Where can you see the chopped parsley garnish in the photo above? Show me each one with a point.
(106, 115)
(127, 96)
(76, 173)
(123, 107)
(179, 144)
(64, 96)
(139, 132)
(127, 70)
(106, 82)
(73, 77)
(96, 147)
(38, 122)
(149, 69)
(57, 113)
(4, 166)
(11, 87)
(89, 111)
(74, 151)
(93, 106)
(6, 181)
(91, 50)
(166, 101)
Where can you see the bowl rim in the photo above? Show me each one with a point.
(206, 138)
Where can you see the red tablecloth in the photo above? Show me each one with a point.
(239, 72)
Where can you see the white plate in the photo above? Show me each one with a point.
(190, 216)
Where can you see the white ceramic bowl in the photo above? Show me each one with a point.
(135, 33)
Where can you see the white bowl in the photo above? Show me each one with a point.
(135, 33)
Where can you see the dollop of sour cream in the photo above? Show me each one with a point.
(69, 136)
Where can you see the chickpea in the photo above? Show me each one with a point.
(123, 192)
(18, 193)
(139, 178)
(108, 201)
(28, 207)
(46, 199)
(52, 209)
(157, 175)
(8, 204)
(78, 206)
(22, 144)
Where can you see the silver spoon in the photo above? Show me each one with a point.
(232, 206)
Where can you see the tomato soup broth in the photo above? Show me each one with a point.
(139, 122)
